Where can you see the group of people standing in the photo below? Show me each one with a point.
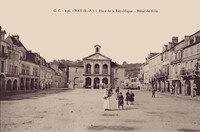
(119, 96)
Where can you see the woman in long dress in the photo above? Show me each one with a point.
(106, 97)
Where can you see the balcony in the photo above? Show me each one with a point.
(176, 61)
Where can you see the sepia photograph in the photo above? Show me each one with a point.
(99, 66)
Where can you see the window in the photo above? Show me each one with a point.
(175, 56)
(176, 69)
(96, 69)
(105, 69)
(197, 38)
(192, 64)
(76, 69)
(27, 70)
(191, 41)
(88, 68)
(23, 69)
(2, 66)
(186, 65)
(115, 70)
(10, 55)
(3, 50)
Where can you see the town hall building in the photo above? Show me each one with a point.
(96, 71)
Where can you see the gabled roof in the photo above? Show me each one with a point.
(88, 57)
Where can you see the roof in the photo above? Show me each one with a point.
(115, 64)
(184, 38)
(80, 64)
(15, 42)
(191, 45)
(96, 54)
(151, 55)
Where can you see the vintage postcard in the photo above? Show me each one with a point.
(109, 65)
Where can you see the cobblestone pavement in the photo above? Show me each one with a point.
(81, 110)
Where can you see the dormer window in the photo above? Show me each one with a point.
(191, 41)
(97, 49)
(197, 38)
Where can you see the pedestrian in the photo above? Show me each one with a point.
(120, 100)
(132, 98)
(153, 92)
(107, 95)
(127, 97)
(117, 93)
(172, 89)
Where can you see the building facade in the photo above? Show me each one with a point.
(10, 65)
(177, 68)
(23, 70)
(97, 71)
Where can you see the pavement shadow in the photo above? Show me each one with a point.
(130, 108)
(135, 121)
(116, 128)
(188, 130)
(109, 114)
(35, 94)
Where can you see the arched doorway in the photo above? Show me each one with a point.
(179, 87)
(15, 85)
(32, 83)
(2, 82)
(9, 85)
(197, 82)
(96, 83)
(167, 86)
(27, 83)
(105, 82)
(188, 87)
(22, 84)
(96, 69)
(88, 82)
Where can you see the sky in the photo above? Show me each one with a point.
(123, 36)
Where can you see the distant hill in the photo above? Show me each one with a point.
(65, 63)
(132, 69)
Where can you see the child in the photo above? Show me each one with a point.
(120, 100)
(132, 95)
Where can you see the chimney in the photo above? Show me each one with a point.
(174, 40)
(16, 38)
(0, 32)
(187, 40)
(166, 47)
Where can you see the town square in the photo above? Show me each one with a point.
(82, 110)
(99, 66)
